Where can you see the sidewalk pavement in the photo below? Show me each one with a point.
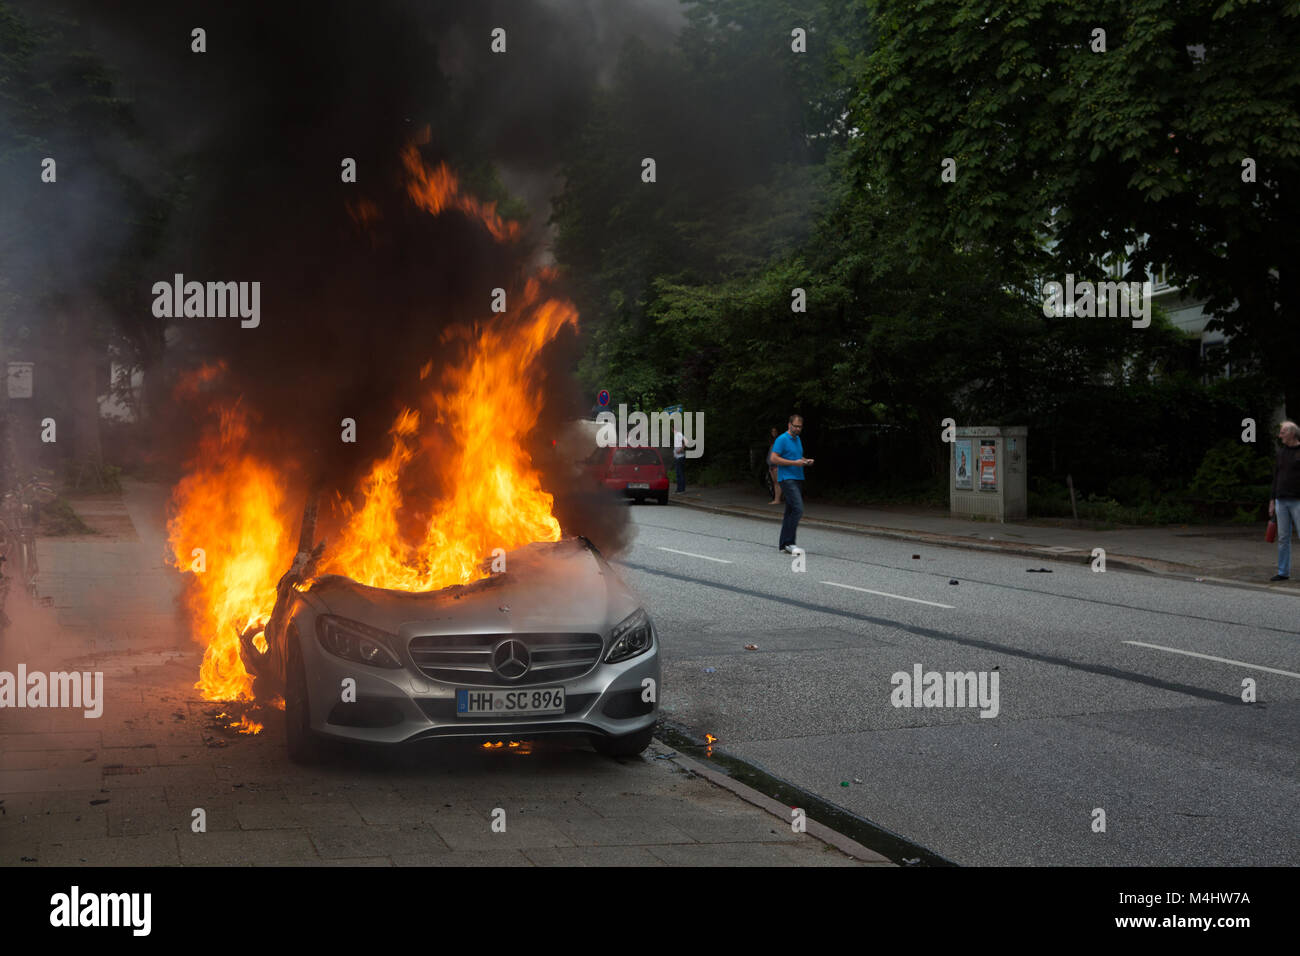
(123, 789)
(1226, 553)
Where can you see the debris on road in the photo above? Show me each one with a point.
(916, 557)
(954, 581)
(1038, 570)
(709, 670)
(751, 647)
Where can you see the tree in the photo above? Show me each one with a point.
(1140, 145)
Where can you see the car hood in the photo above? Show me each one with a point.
(547, 587)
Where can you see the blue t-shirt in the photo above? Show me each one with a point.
(789, 447)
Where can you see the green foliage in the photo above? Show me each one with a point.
(59, 518)
(1101, 149)
(1052, 500)
(1232, 472)
(90, 476)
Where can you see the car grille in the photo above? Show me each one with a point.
(467, 658)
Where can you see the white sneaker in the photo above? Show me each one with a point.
(793, 549)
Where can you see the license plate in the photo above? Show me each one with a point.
(639, 485)
(537, 700)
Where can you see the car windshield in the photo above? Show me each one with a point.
(636, 456)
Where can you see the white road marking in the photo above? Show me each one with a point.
(1221, 660)
(888, 595)
(692, 554)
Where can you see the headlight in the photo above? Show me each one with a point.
(635, 635)
(354, 641)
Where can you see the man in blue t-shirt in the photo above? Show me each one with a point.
(787, 455)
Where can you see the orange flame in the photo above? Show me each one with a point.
(438, 189)
(231, 530)
(247, 726)
(464, 444)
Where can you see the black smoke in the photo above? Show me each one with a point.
(250, 136)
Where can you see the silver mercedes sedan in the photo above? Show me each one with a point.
(554, 644)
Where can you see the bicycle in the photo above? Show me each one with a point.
(19, 513)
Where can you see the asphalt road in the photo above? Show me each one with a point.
(1157, 737)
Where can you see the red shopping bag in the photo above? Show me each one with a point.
(1270, 534)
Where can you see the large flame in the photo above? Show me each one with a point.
(464, 444)
(230, 527)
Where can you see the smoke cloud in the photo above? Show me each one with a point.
(357, 285)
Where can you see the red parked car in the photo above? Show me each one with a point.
(632, 472)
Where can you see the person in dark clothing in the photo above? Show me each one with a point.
(1285, 503)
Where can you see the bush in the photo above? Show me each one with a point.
(1232, 472)
(58, 518)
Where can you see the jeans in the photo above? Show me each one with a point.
(1288, 517)
(681, 473)
(792, 491)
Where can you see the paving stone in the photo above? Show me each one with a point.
(198, 775)
(812, 852)
(351, 861)
(593, 856)
(734, 826)
(166, 819)
(277, 816)
(69, 778)
(341, 842)
(625, 831)
(152, 850)
(80, 825)
(473, 832)
(724, 854)
(141, 798)
(467, 858)
(25, 760)
(240, 848)
(81, 740)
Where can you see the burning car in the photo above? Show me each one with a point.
(551, 643)
(450, 601)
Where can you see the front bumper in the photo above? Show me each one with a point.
(393, 706)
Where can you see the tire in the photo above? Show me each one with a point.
(629, 745)
(662, 498)
(302, 743)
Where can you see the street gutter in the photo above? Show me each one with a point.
(832, 824)
(1070, 556)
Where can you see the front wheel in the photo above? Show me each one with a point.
(303, 744)
(629, 745)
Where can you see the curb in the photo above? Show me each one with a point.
(1124, 562)
(779, 810)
